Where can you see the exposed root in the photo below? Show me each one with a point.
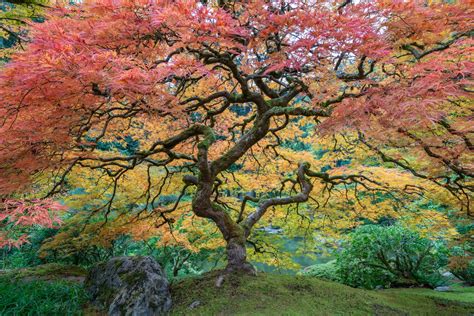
(243, 269)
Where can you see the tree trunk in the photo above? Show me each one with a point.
(237, 257)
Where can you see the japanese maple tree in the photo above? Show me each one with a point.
(395, 73)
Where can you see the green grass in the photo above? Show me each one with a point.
(270, 294)
(40, 297)
(461, 294)
(50, 289)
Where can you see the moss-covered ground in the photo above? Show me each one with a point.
(271, 294)
(57, 290)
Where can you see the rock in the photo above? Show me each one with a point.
(194, 304)
(448, 275)
(135, 286)
(379, 287)
(442, 288)
(271, 229)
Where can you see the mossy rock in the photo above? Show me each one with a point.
(129, 286)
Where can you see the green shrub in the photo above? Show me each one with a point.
(38, 297)
(326, 271)
(391, 256)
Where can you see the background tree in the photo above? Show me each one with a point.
(207, 89)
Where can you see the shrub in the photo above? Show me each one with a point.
(391, 256)
(461, 263)
(326, 271)
(465, 272)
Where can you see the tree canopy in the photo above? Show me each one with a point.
(217, 101)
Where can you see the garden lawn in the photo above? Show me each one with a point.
(271, 294)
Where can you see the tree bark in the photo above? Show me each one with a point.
(237, 257)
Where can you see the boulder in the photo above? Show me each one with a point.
(135, 286)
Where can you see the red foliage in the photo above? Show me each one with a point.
(27, 213)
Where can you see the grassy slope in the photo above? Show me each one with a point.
(50, 289)
(50, 271)
(56, 290)
(269, 294)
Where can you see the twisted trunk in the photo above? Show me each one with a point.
(234, 234)
(237, 257)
